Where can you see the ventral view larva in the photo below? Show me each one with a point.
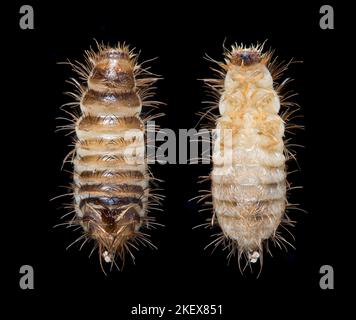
(249, 183)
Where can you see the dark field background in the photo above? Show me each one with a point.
(180, 272)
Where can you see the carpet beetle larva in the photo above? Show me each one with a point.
(111, 180)
(248, 180)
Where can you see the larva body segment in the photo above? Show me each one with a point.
(249, 175)
(111, 180)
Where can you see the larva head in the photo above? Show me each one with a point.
(240, 55)
(111, 227)
(245, 57)
(112, 68)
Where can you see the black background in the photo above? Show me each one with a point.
(180, 271)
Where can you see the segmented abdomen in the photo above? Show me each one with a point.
(110, 173)
(248, 177)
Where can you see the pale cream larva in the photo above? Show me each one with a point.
(249, 173)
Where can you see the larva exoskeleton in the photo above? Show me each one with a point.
(248, 180)
(111, 178)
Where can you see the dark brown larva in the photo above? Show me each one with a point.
(111, 180)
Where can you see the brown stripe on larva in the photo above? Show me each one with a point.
(108, 177)
(118, 175)
(119, 99)
(112, 160)
(120, 80)
(107, 123)
(111, 201)
(111, 188)
(110, 171)
(102, 145)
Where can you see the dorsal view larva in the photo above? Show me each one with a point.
(248, 180)
(111, 180)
